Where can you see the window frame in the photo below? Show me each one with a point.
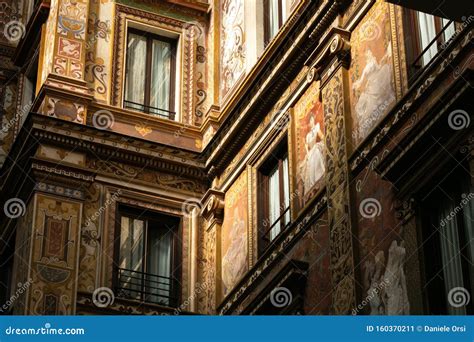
(275, 159)
(413, 45)
(176, 249)
(267, 37)
(150, 37)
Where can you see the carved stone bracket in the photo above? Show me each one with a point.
(334, 46)
(213, 206)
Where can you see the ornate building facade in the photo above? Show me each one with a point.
(236, 157)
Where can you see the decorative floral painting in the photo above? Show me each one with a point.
(371, 72)
(234, 234)
(310, 148)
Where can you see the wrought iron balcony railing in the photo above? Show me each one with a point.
(440, 41)
(271, 233)
(146, 287)
(163, 113)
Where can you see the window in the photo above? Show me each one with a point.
(448, 242)
(148, 257)
(6, 274)
(150, 74)
(429, 36)
(274, 196)
(273, 12)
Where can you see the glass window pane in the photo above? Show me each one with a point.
(450, 30)
(273, 18)
(131, 255)
(427, 28)
(161, 76)
(136, 69)
(159, 265)
(286, 189)
(274, 202)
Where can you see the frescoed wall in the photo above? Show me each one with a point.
(309, 145)
(232, 44)
(371, 72)
(234, 234)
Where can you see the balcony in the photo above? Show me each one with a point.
(146, 287)
(161, 113)
(280, 225)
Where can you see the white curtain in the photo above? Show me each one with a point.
(159, 265)
(450, 253)
(427, 27)
(273, 18)
(131, 253)
(468, 218)
(286, 188)
(136, 65)
(161, 76)
(274, 204)
(450, 30)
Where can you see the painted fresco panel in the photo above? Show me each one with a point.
(371, 72)
(234, 234)
(233, 44)
(310, 147)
